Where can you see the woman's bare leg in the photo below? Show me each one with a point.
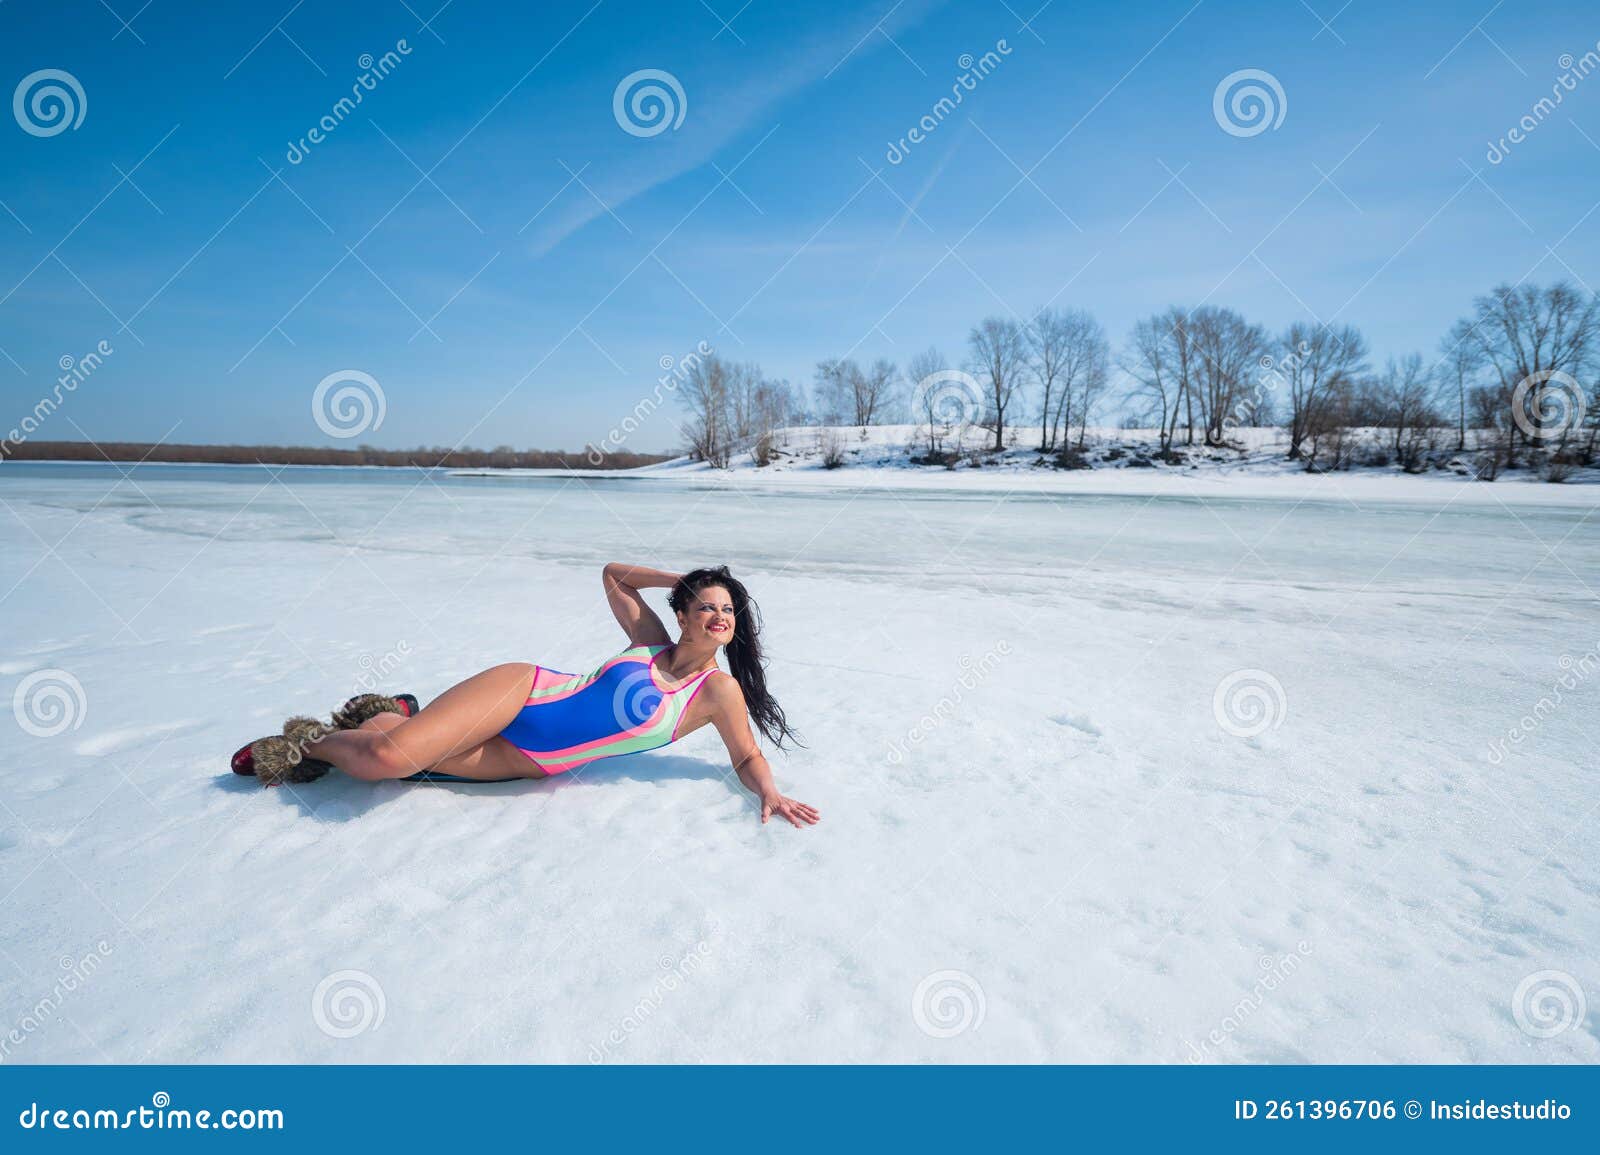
(494, 759)
(458, 722)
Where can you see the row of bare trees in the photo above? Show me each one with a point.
(733, 406)
(1063, 353)
(423, 457)
(1521, 369)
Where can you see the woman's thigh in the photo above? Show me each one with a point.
(464, 717)
(495, 758)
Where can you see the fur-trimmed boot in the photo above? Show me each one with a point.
(282, 758)
(364, 706)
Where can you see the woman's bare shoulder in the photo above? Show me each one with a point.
(722, 694)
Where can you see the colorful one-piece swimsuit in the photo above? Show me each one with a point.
(572, 719)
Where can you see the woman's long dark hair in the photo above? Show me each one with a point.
(744, 648)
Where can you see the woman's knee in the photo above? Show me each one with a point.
(516, 673)
(388, 758)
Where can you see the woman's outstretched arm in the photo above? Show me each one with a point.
(638, 621)
(732, 720)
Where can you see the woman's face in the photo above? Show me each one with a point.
(709, 616)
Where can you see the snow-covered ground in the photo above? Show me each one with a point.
(1054, 830)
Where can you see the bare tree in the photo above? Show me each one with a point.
(1186, 357)
(732, 407)
(1315, 362)
(744, 384)
(1406, 391)
(998, 357)
(1227, 347)
(1461, 361)
(834, 390)
(1144, 359)
(1088, 376)
(925, 396)
(1528, 334)
(1046, 336)
(1069, 357)
(1328, 441)
(1157, 358)
(1487, 407)
(876, 391)
(856, 396)
(705, 395)
(767, 406)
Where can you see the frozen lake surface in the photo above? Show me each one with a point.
(1104, 778)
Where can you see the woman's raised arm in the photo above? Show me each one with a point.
(638, 621)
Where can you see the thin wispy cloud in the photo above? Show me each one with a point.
(718, 113)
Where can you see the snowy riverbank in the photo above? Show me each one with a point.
(1117, 462)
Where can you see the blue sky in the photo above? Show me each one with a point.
(484, 239)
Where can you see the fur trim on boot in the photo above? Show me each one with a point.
(282, 758)
(364, 706)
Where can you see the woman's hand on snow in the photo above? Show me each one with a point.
(798, 813)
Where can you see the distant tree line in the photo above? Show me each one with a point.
(1516, 382)
(437, 457)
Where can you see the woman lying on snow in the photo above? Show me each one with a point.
(524, 721)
